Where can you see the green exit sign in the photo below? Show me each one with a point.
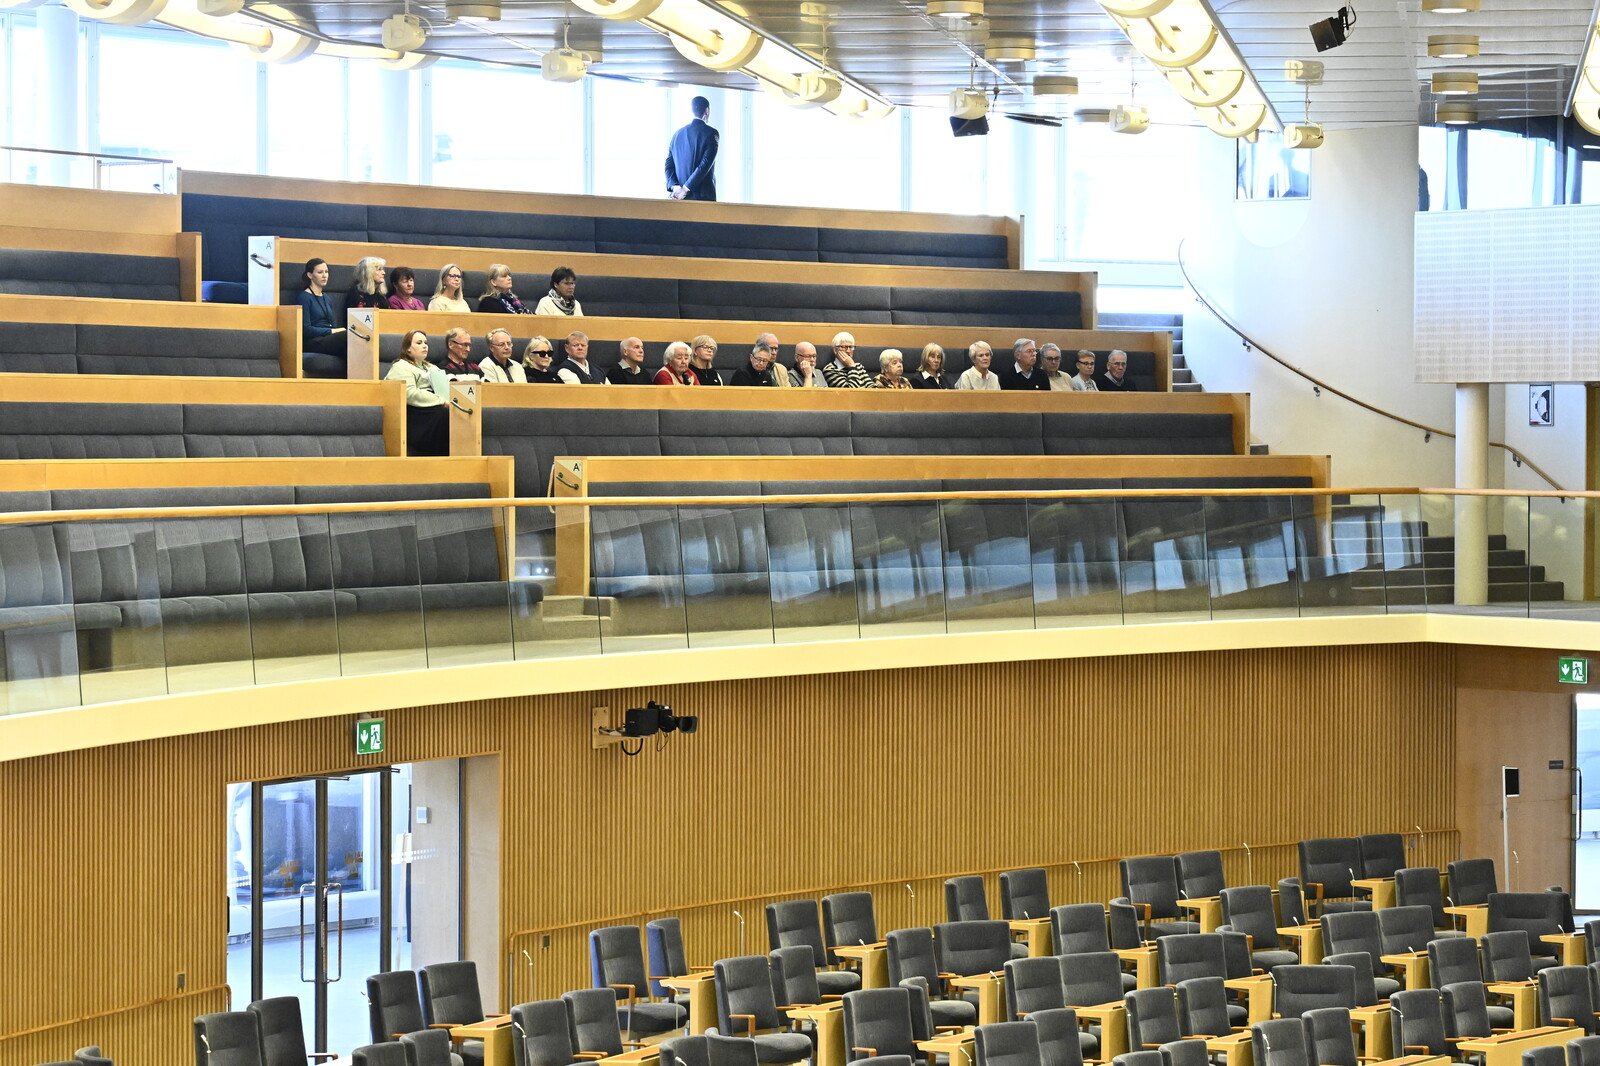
(369, 736)
(1573, 671)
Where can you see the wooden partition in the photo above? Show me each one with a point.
(575, 478)
(285, 321)
(370, 325)
(273, 258)
(113, 388)
(352, 192)
(45, 475)
(466, 399)
(111, 223)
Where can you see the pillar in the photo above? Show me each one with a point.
(1471, 512)
(58, 103)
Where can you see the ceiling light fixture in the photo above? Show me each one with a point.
(955, 9)
(1055, 85)
(968, 104)
(1453, 45)
(1584, 101)
(1009, 49)
(1454, 83)
(1449, 7)
(1455, 114)
(118, 12)
(485, 10)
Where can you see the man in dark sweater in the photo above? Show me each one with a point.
(630, 367)
(1024, 372)
(576, 368)
(1116, 378)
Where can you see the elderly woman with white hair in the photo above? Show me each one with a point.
(369, 287)
(978, 376)
(844, 372)
(677, 370)
(891, 370)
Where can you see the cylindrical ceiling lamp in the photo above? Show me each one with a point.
(1180, 35)
(721, 52)
(618, 10)
(1234, 119)
(1009, 49)
(955, 9)
(1454, 83)
(1453, 45)
(118, 12)
(1100, 115)
(486, 10)
(1449, 7)
(285, 46)
(1456, 114)
(409, 61)
(1204, 86)
(1135, 9)
(1055, 85)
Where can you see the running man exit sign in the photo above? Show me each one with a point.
(1573, 671)
(369, 736)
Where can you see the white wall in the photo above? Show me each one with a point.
(1558, 450)
(1325, 283)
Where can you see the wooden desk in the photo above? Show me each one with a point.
(829, 1021)
(1507, 1049)
(1574, 952)
(702, 990)
(958, 1046)
(1413, 1060)
(1208, 911)
(1144, 964)
(1376, 1031)
(991, 989)
(1235, 1048)
(873, 960)
(1524, 996)
(1310, 938)
(1112, 1018)
(1040, 942)
(1476, 916)
(1380, 888)
(496, 1035)
(1258, 991)
(1411, 966)
(632, 1057)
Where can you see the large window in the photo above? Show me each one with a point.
(506, 129)
(1129, 197)
(193, 102)
(807, 156)
(1532, 162)
(631, 131)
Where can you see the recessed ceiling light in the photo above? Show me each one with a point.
(488, 10)
(1450, 7)
(1092, 114)
(1009, 49)
(956, 9)
(1456, 114)
(1453, 45)
(1454, 83)
(1055, 85)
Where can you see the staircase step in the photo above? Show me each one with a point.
(1444, 577)
(1260, 449)
(1497, 542)
(1502, 557)
(1187, 386)
(1542, 592)
(1181, 376)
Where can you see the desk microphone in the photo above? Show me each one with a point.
(1418, 844)
(1249, 862)
(739, 916)
(1266, 1044)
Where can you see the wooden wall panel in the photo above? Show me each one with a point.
(793, 786)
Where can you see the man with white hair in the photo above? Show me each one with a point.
(498, 366)
(1024, 373)
(844, 372)
(1116, 378)
(978, 376)
(630, 364)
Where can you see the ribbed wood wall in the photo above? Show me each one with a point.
(116, 868)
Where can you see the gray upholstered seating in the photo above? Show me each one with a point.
(972, 947)
(541, 1035)
(1139, 1058)
(1404, 929)
(911, 957)
(1466, 1011)
(231, 1038)
(1092, 979)
(1454, 960)
(1332, 1036)
(680, 1051)
(1033, 985)
(1327, 867)
(592, 1014)
(1248, 910)
(663, 939)
(1345, 931)
(66, 348)
(1507, 956)
(388, 1054)
(1536, 913)
(1566, 997)
(1185, 1052)
(1366, 980)
(394, 1005)
(1060, 1039)
(93, 1056)
(1418, 886)
(797, 921)
(848, 918)
(1200, 874)
(746, 1008)
(1190, 955)
(283, 1038)
(1008, 1044)
(1299, 989)
(1584, 1051)
(794, 976)
(877, 1022)
(1545, 1056)
(1471, 881)
(616, 961)
(964, 899)
(1204, 1001)
(1151, 884)
(1292, 901)
(1281, 1042)
(106, 276)
(1024, 894)
(1154, 1017)
(1381, 854)
(1417, 1024)
(729, 1051)
(430, 1047)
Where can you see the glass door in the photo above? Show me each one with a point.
(1586, 803)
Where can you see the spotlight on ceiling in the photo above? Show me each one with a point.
(1333, 31)
(1454, 83)
(1455, 114)
(968, 104)
(404, 33)
(1055, 85)
(1009, 50)
(1449, 7)
(1130, 118)
(1303, 135)
(564, 64)
(956, 9)
(1453, 45)
(487, 10)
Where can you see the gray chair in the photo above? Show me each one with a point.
(1236, 955)
(745, 1008)
(1205, 1007)
(1150, 883)
(1190, 955)
(1281, 1042)
(1185, 1053)
(1347, 931)
(1591, 939)
(93, 1056)
(1125, 924)
(1471, 882)
(1536, 913)
(394, 1005)
(663, 938)
(848, 918)
(1327, 866)
(1154, 1017)
(541, 1034)
(1405, 929)
(1248, 910)
(684, 1051)
(390, 1054)
(227, 1038)
(616, 961)
(964, 899)
(1024, 894)
(797, 921)
(430, 1047)
(1584, 1051)
(729, 1051)
(1200, 874)
(1507, 956)
(1033, 985)
(1080, 928)
(283, 1035)
(1332, 1036)
(1008, 1044)
(877, 1021)
(1060, 1039)
(911, 956)
(592, 1017)
(1416, 1021)
(1139, 1058)
(1366, 981)
(1418, 886)
(1297, 990)
(450, 996)
(1567, 998)
(885, 1060)
(969, 948)
(794, 979)
(923, 1026)
(1466, 1011)
(1292, 901)
(1545, 1056)
(1454, 960)
(1382, 854)
(1092, 979)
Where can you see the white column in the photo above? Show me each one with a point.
(397, 127)
(1471, 512)
(58, 32)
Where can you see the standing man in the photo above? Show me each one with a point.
(692, 157)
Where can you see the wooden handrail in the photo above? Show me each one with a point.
(110, 1011)
(1251, 343)
(995, 496)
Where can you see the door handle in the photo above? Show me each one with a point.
(339, 940)
(305, 889)
(1578, 802)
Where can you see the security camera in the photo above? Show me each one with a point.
(564, 64)
(403, 33)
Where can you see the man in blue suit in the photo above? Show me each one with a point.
(692, 157)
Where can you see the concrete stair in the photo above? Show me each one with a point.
(1419, 568)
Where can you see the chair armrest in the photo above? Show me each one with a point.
(949, 1028)
(1417, 1047)
(871, 1051)
(591, 1054)
(629, 993)
(634, 1043)
(321, 1056)
(1565, 1021)
(749, 1023)
(948, 976)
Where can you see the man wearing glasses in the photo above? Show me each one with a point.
(458, 357)
(844, 372)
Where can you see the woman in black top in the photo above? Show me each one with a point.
(930, 371)
(538, 363)
(497, 298)
(369, 287)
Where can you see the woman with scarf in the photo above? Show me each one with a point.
(497, 298)
(562, 298)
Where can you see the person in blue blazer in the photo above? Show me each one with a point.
(692, 157)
